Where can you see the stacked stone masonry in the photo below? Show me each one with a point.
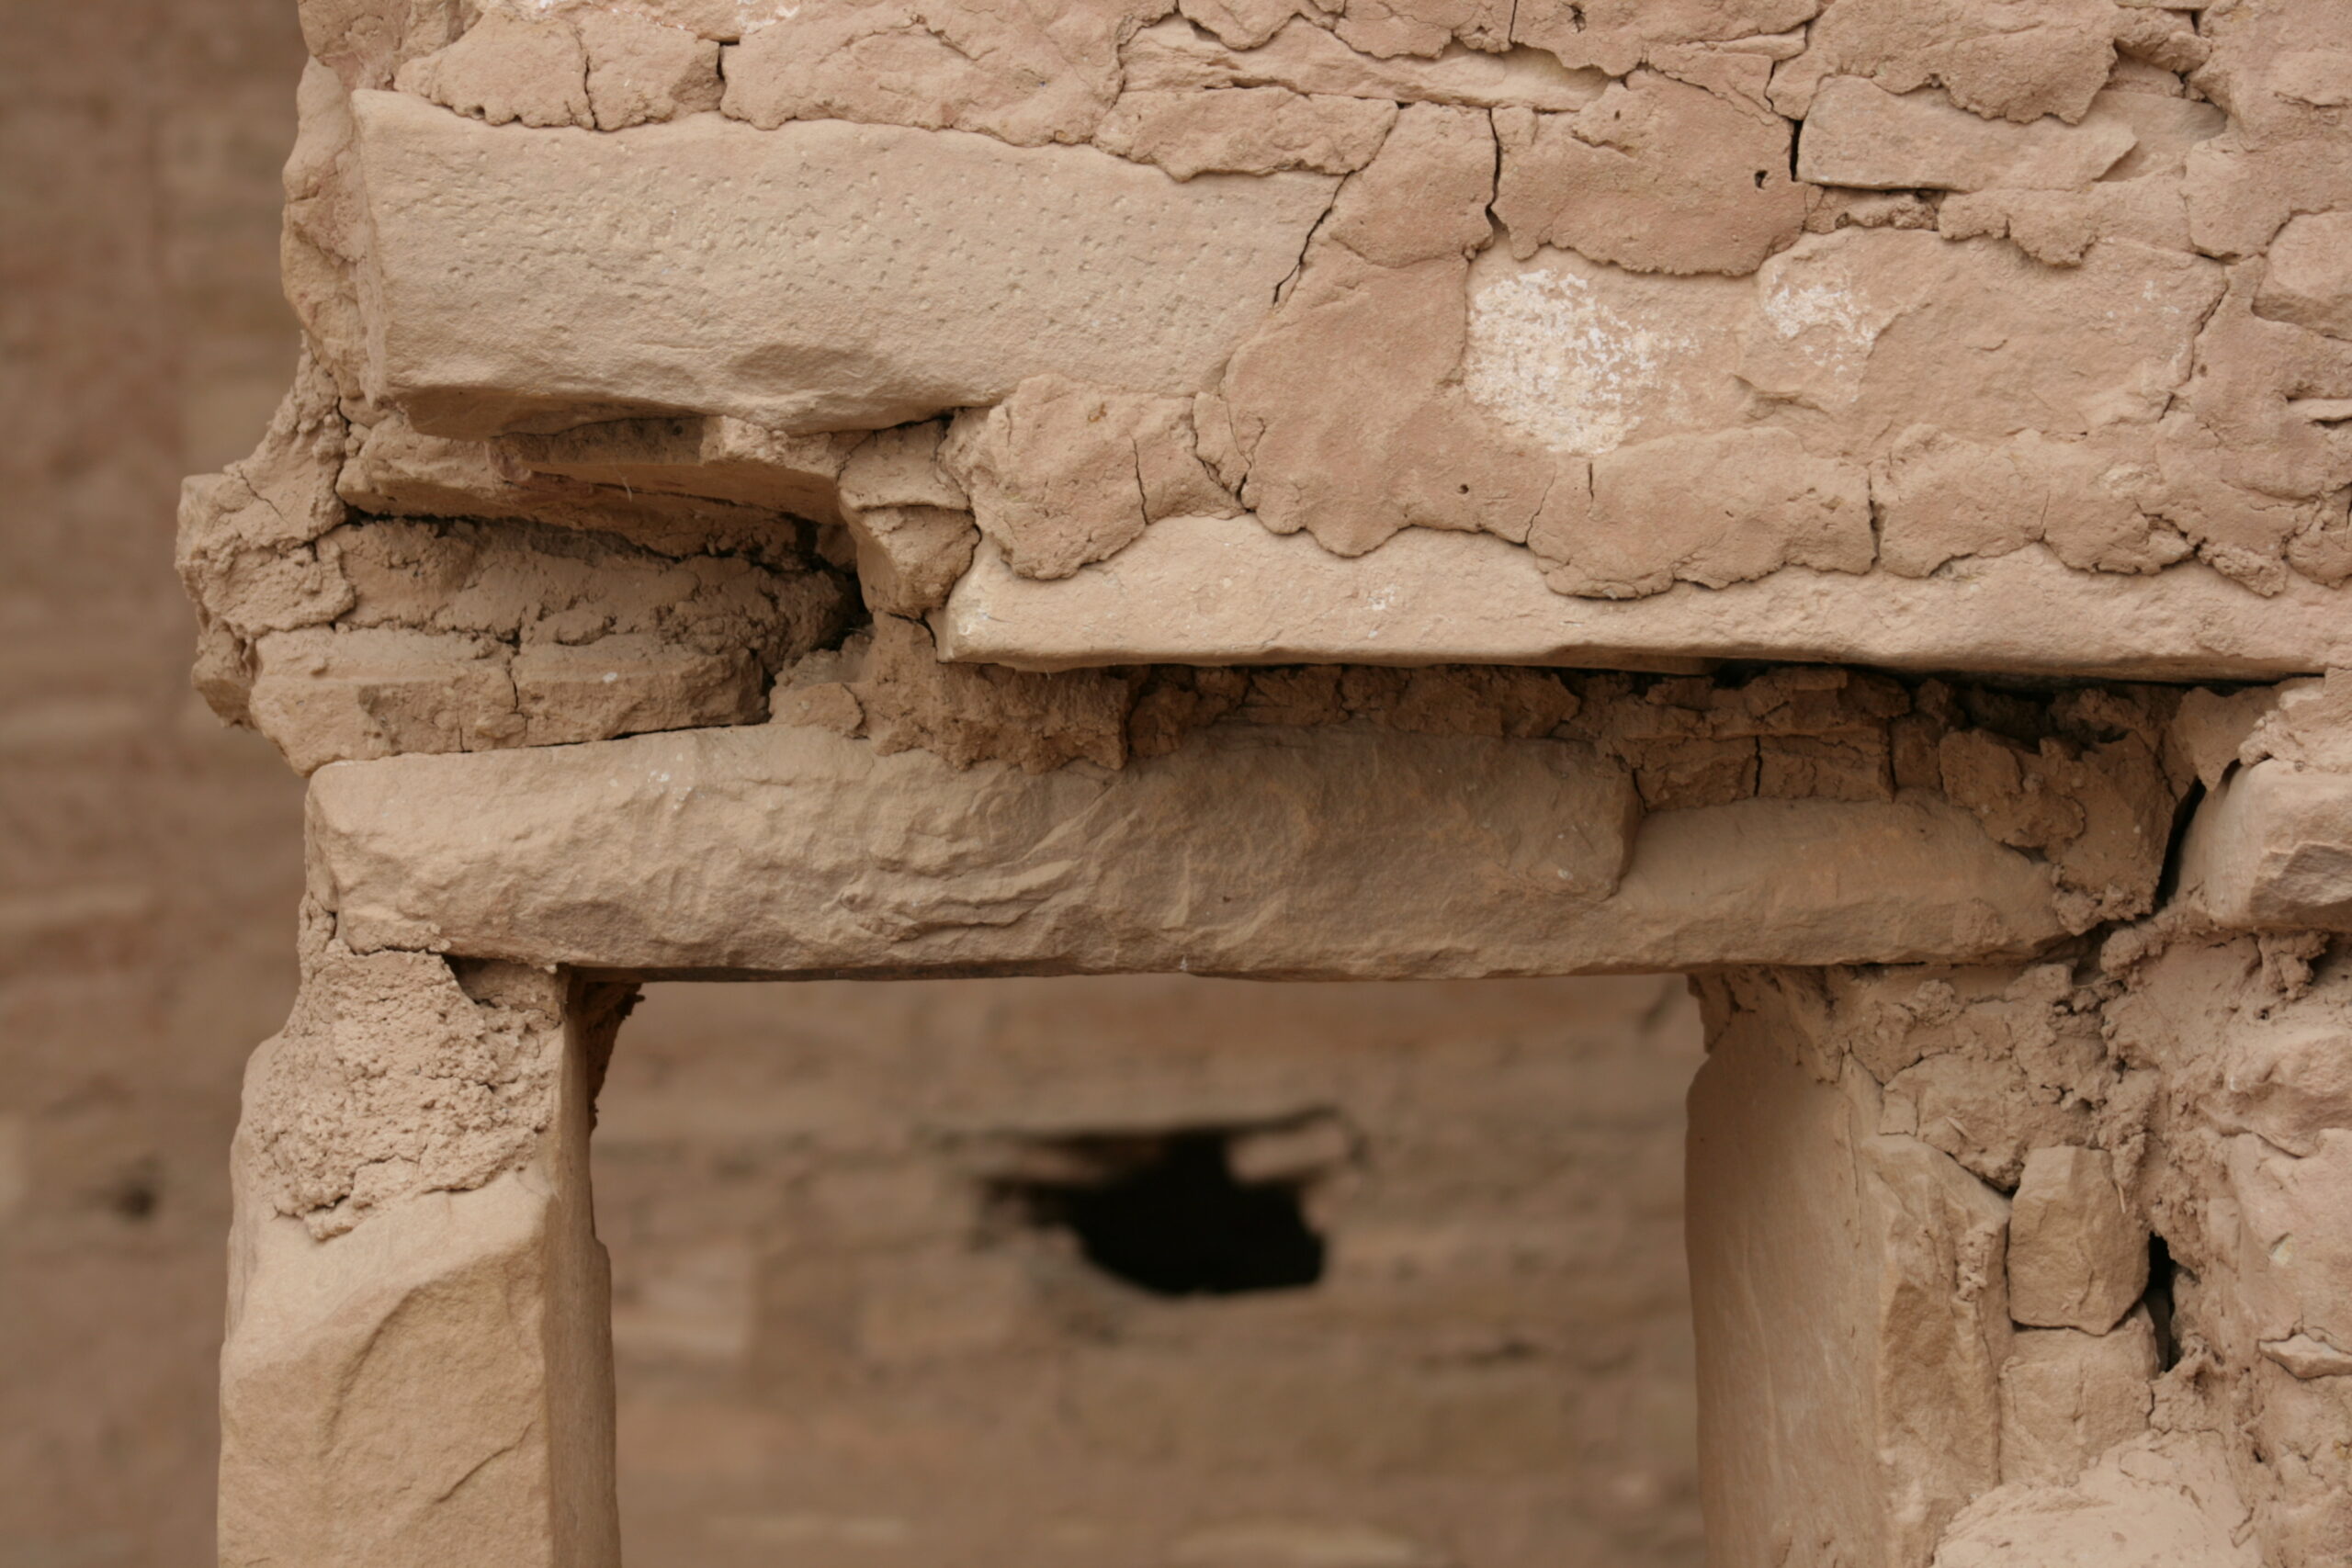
(1847, 499)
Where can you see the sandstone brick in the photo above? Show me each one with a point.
(1888, 1254)
(1245, 131)
(2167, 1503)
(1768, 503)
(1859, 134)
(507, 68)
(2308, 281)
(2272, 850)
(2046, 57)
(640, 70)
(1304, 58)
(1217, 590)
(1655, 176)
(840, 335)
(1061, 474)
(2078, 1258)
(2067, 1397)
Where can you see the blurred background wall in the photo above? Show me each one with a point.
(940, 1274)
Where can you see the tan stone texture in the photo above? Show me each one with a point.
(847, 338)
(418, 1362)
(2078, 1258)
(2067, 1396)
(2120, 404)
(1856, 1264)
(1018, 489)
(1533, 864)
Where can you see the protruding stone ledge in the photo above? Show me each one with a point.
(1224, 591)
(1339, 852)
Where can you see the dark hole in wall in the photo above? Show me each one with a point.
(2159, 1299)
(134, 1192)
(1172, 1219)
(2168, 877)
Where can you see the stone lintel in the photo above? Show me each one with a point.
(1339, 852)
(1224, 591)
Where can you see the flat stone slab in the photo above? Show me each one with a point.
(1224, 591)
(1339, 852)
(823, 275)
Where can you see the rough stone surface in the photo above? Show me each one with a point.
(2077, 1257)
(1225, 592)
(1655, 174)
(2067, 190)
(1938, 337)
(1802, 1210)
(2163, 1503)
(388, 1081)
(843, 335)
(2085, 153)
(1076, 870)
(341, 635)
(418, 1362)
(1062, 474)
(1859, 134)
(2178, 1418)
(2067, 1397)
(2088, 158)
(1246, 130)
(2308, 280)
(2271, 850)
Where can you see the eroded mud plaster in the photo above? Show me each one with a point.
(1895, 284)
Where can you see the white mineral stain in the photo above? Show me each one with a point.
(1552, 360)
(1819, 315)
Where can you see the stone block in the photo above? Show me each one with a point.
(1859, 134)
(2287, 1077)
(2078, 1257)
(1334, 851)
(2310, 277)
(2067, 1397)
(815, 301)
(1224, 591)
(2271, 850)
(2166, 1502)
(418, 1366)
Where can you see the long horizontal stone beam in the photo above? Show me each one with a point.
(823, 275)
(1226, 590)
(1281, 854)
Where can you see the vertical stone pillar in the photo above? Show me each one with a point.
(418, 1371)
(1848, 1295)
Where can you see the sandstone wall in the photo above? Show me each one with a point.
(147, 895)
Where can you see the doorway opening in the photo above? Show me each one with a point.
(1153, 1271)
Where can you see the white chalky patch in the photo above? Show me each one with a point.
(1552, 360)
(1819, 315)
